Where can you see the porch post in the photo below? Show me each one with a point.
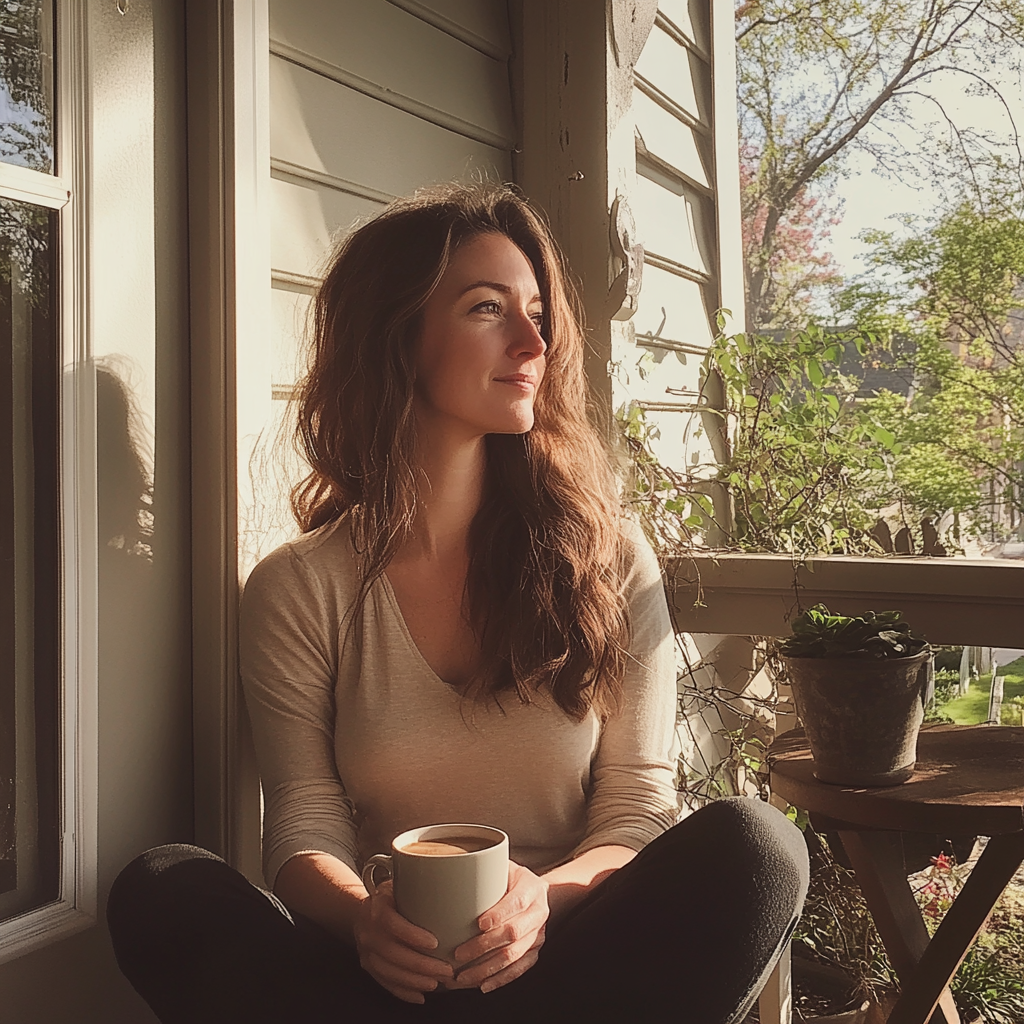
(572, 94)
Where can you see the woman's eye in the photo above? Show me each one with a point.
(538, 319)
(490, 306)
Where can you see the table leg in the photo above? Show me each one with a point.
(775, 1004)
(877, 859)
(960, 927)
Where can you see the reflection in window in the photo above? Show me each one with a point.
(29, 567)
(26, 83)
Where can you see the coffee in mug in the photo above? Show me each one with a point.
(449, 846)
(445, 877)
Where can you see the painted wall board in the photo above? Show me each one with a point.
(675, 223)
(319, 124)
(306, 220)
(680, 442)
(487, 19)
(290, 312)
(376, 41)
(660, 374)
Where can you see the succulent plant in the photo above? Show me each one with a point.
(817, 633)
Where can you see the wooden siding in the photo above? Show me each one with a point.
(375, 47)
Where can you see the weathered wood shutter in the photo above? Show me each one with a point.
(685, 204)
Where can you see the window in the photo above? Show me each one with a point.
(47, 740)
(29, 545)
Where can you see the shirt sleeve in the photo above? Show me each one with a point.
(633, 795)
(288, 658)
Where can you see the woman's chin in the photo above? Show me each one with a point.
(514, 424)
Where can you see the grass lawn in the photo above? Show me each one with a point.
(973, 709)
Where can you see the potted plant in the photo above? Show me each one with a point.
(860, 686)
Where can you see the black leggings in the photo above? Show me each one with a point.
(688, 931)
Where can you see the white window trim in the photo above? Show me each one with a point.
(75, 909)
(948, 600)
(30, 186)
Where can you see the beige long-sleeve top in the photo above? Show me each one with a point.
(358, 739)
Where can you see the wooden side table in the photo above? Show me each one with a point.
(969, 780)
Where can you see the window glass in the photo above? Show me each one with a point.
(26, 83)
(29, 545)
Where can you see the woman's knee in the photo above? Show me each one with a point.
(744, 838)
(159, 884)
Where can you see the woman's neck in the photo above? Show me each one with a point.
(451, 482)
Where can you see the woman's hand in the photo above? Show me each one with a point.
(512, 932)
(394, 951)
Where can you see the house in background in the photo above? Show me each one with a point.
(172, 173)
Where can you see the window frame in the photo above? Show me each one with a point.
(66, 192)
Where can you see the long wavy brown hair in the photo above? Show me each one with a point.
(544, 589)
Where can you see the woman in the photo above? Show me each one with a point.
(468, 630)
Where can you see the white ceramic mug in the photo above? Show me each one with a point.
(444, 893)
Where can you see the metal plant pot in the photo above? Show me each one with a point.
(861, 715)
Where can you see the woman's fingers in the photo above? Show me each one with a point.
(425, 967)
(501, 965)
(401, 928)
(523, 926)
(520, 915)
(392, 975)
(391, 951)
(526, 891)
(513, 971)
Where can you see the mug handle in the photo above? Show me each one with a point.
(384, 860)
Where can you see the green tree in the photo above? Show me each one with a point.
(815, 462)
(821, 80)
(952, 291)
(811, 467)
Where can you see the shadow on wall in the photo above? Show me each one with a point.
(125, 519)
(145, 687)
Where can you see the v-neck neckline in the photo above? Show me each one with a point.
(403, 627)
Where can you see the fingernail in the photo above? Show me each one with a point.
(485, 923)
(488, 986)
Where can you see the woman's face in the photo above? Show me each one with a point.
(480, 356)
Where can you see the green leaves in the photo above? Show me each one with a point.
(949, 289)
(886, 438)
(810, 464)
(817, 633)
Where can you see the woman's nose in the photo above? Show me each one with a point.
(528, 340)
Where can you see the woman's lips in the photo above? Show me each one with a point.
(520, 380)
